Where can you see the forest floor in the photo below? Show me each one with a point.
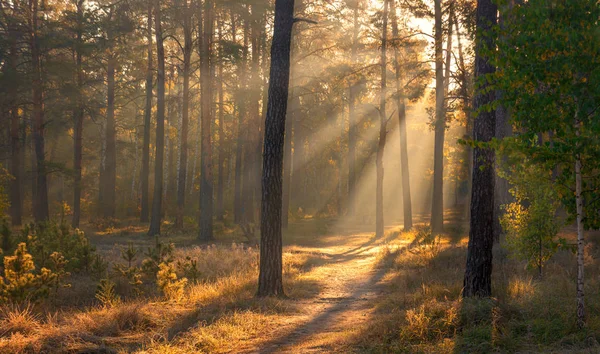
(347, 292)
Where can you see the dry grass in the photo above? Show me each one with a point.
(423, 312)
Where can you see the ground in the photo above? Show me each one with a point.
(347, 292)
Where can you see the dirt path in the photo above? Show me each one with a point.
(350, 282)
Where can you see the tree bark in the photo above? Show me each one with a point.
(401, 106)
(78, 120)
(183, 153)
(437, 205)
(270, 279)
(206, 180)
(221, 131)
(156, 217)
(110, 166)
(144, 215)
(352, 116)
(15, 139)
(580, 236)
(379, 223)
(40, 204)
(240, 130)
(478, 272)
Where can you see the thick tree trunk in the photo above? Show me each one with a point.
(379, 224)
(206, 180)
(78, 121)
(40, 201)
(478, 272)
(437, 205)
(145, 176)
(401, 106)
(270, 279)
(156, 217)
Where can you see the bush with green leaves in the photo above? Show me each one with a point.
(21, 282)
(531, 223)
(167, 282)
(47, 238)
(160, 253)
(131, 271)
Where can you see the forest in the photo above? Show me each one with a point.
(299, 176)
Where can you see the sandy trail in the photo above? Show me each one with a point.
(350, 282)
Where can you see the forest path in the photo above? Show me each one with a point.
(350, 280)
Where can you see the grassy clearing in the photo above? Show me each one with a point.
(422, 310)
(217, 313)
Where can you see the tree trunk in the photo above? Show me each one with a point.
(78, 121)
(156, 217)
(183, 153)
(401, 106)
(40, 204)
(352, 117)
(206, 180)
(379, 227)
(248, 133)
(580, 236)
(221, 127)
(270, 279)
(110, 166)
(240, 130)
(437, 205)
(478, 272)
(15, 140)
(144, 215)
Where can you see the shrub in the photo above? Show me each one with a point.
(167, 282)
(106, 294)
(530, 222)
(21, 282)
(47, 238)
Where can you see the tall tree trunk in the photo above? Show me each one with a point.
(248, 133)
(580, 235)
(401, 106)
(379, 227)
(144, 215)
(352, 117)
(156, 217)
(221, 127)
(241, 110)
(78, 120)
(40, 205)
(110, 166)
(270, 279)
(183, 153)
(478, 272)
(206, 180)
(15, 140)
(437, 205)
